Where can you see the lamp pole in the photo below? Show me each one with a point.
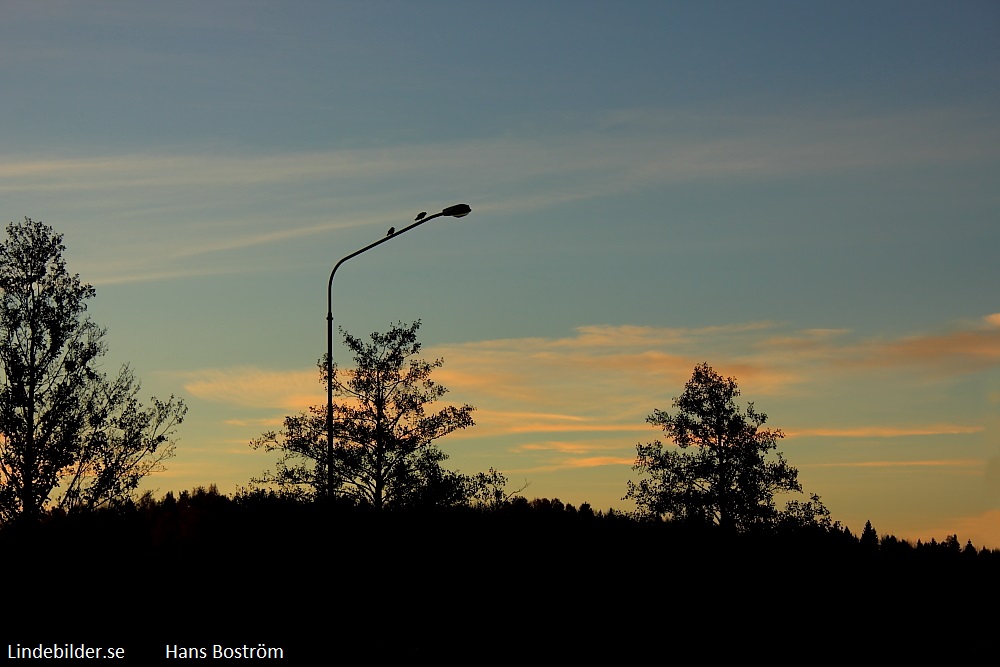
(456, 211)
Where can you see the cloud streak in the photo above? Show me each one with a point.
(248, 387)
(631, 152)
(680, 150)
(602, 382)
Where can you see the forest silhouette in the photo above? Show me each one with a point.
(525, 578)
(387, 553)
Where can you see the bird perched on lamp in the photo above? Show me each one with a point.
(392, 230)
(420, 216)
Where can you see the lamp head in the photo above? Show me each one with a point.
(457, 211)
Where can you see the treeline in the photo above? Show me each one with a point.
(204, 516)
(538, 576)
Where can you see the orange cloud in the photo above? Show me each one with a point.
(957, 352)
(293, 391)
(603, 381)
(968, 348)
(573, 463)
(562, 447)
(581, 428)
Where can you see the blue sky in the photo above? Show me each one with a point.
(802, 195)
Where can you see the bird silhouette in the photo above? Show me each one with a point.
(420, 216)
(392, 230)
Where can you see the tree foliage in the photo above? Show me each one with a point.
(721, 470)
(488, 490)
(384, 431)
(70, 437)
(812, 513)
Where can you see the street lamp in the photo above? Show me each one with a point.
(456, 211)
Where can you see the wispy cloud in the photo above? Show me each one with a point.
(248, 387)
(561, 447)
(954, 352)
(597, 386)
(572, 463)
(596, 461)
(234, 197)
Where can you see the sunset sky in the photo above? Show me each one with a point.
(804, 195)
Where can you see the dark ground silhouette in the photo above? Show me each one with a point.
(533, 580)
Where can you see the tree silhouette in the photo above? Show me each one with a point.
(488, 490)
(811, 513)
(869, 538)
(70, 437)
(720, 471)
(385, 454)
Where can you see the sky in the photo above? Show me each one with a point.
(802, 195)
